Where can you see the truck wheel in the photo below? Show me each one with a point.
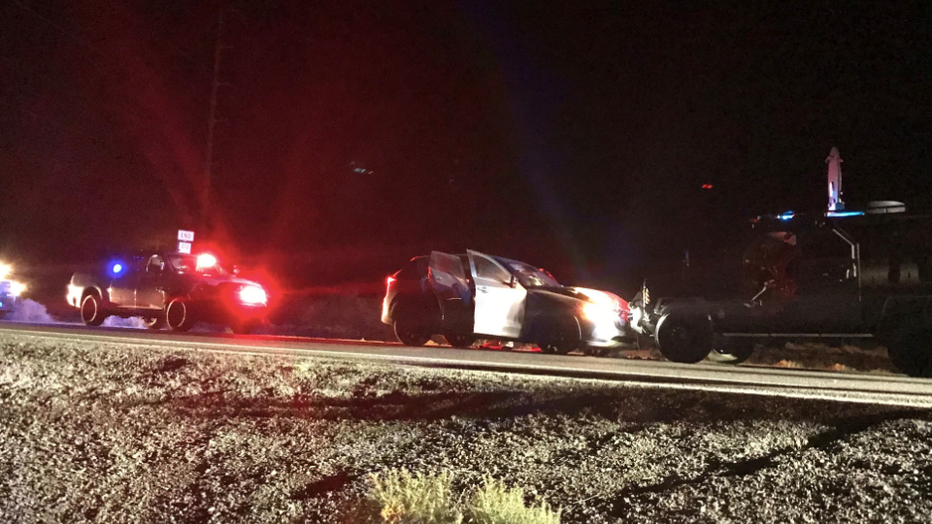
(460, 341)
(559, 336)
(909, 350)
(178, 315)
(684, 337)
(92, 312)
(154, 323)
(411, 333)
(733, 352)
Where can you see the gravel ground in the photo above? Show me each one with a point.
(108, 434)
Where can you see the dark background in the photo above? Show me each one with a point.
(576, 137)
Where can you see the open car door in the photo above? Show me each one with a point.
(500, 298)
(448, 276)
(448, 279)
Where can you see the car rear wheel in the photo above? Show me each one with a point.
(411, 333)
(684, 337)
(92, 313)
(154, 323)
(460, 341)
(178, 315)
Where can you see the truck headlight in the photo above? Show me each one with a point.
(252, 295)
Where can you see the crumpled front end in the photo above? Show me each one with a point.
(604, 319)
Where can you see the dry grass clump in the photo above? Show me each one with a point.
(494, 503)
(404, 498)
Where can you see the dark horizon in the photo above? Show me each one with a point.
(575, 137)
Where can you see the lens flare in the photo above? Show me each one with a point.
(252, 295)
(206, 261)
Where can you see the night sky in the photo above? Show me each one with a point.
(572, 136)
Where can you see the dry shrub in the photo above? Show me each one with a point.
(403, 498)
(400, 497)
(494, 503)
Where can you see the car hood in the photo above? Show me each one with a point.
(583, 294)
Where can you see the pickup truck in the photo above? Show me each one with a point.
(846, 276)
(169, 289)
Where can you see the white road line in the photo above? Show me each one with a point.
(661, 375)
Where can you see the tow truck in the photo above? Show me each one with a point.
(832, 275)
(169, 289)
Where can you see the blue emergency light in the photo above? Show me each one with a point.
(843, 214)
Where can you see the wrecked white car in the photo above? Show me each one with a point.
(478, 296)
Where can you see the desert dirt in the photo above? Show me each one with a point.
(108, 433)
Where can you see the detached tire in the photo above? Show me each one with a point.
(684, 337)
(178, 315)
(910, 351)
(92, 313)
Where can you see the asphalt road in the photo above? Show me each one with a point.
(827, 385)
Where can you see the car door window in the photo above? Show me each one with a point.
(489, 270)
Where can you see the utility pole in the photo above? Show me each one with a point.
(211, 124)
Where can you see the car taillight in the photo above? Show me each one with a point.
(252, 295)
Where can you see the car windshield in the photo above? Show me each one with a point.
(529, 276)
(207, 265)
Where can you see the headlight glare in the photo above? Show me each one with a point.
(252, 295)
(597, 312)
